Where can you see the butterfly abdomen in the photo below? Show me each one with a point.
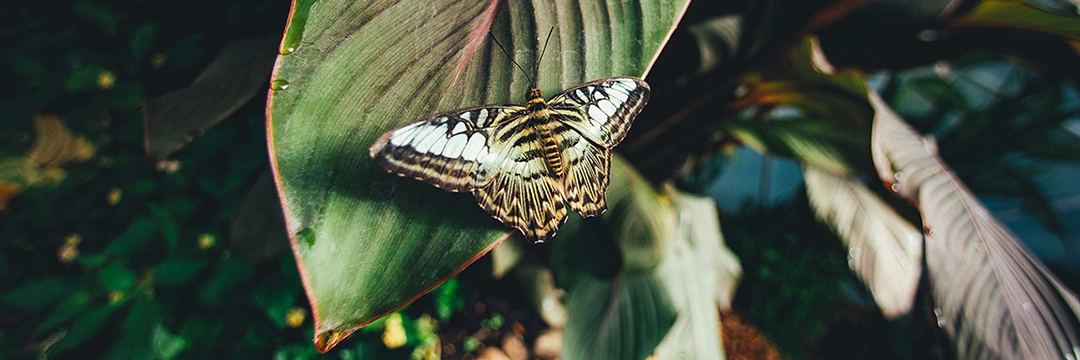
(550, 147)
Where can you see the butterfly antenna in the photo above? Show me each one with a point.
(546, 41)
(510, 57)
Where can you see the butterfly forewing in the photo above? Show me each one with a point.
(445, 149)
(521, 168)
(602, 110)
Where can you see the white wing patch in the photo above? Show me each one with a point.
(608, 107)
(443, 149)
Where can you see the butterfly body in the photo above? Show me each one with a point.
(523, 164)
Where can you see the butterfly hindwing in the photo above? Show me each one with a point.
(444, 149)
(586, 179)
(602, 110)
(522, 192)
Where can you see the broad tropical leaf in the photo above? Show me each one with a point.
(884, 249)
(368, 242)
(993, 297)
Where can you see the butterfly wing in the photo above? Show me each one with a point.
(444, 150)
(522, 192)
(600, 113)
(602, 110)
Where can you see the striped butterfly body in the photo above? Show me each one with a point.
(523, 164)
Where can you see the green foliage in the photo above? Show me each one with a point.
(117, 256)
(124, 258)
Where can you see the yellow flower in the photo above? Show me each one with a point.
(114, 196)
(206, 241)
(106, 80)
(295, 317)
(115, 297)
(394, 333)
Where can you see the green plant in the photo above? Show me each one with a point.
(181, 255)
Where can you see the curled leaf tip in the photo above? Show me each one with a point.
(327, 340)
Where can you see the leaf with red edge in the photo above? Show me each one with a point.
(367, 242)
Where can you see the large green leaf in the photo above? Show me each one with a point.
(368, 242)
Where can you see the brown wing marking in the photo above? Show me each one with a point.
(522, 193)
(587, 178)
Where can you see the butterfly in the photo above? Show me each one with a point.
(523, 164)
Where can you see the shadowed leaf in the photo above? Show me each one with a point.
(175, 119)
(257, 233)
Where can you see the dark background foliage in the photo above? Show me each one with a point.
(123, 257)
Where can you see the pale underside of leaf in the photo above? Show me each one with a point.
(992, 296)
(700, 273)
(884, 249)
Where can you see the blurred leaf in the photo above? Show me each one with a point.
(939, 92)
(257, 232)
(538, 285)
(1020, 15)
(505, 257)
(142, 39)
(448, 299)
(700, 274)
(369, 242)
(830, 146)
(699, 227)
(717, 40)
(125, 96)
(66, 310)
(175, 119)
(621, 319)
(105, 17)
(137, 340)
(177, 271)
(116, 277)
(85, 78)
(86, 327)
(229, 274)
(38, 294)
(32, 70)
(832, 129)
(1035, 201)
(884, 249)
(167, 345)
(275, 298)
(992, 297)
(55, 146)
(17, 173)
(141, 232)
(170, 230)
(640, 218)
